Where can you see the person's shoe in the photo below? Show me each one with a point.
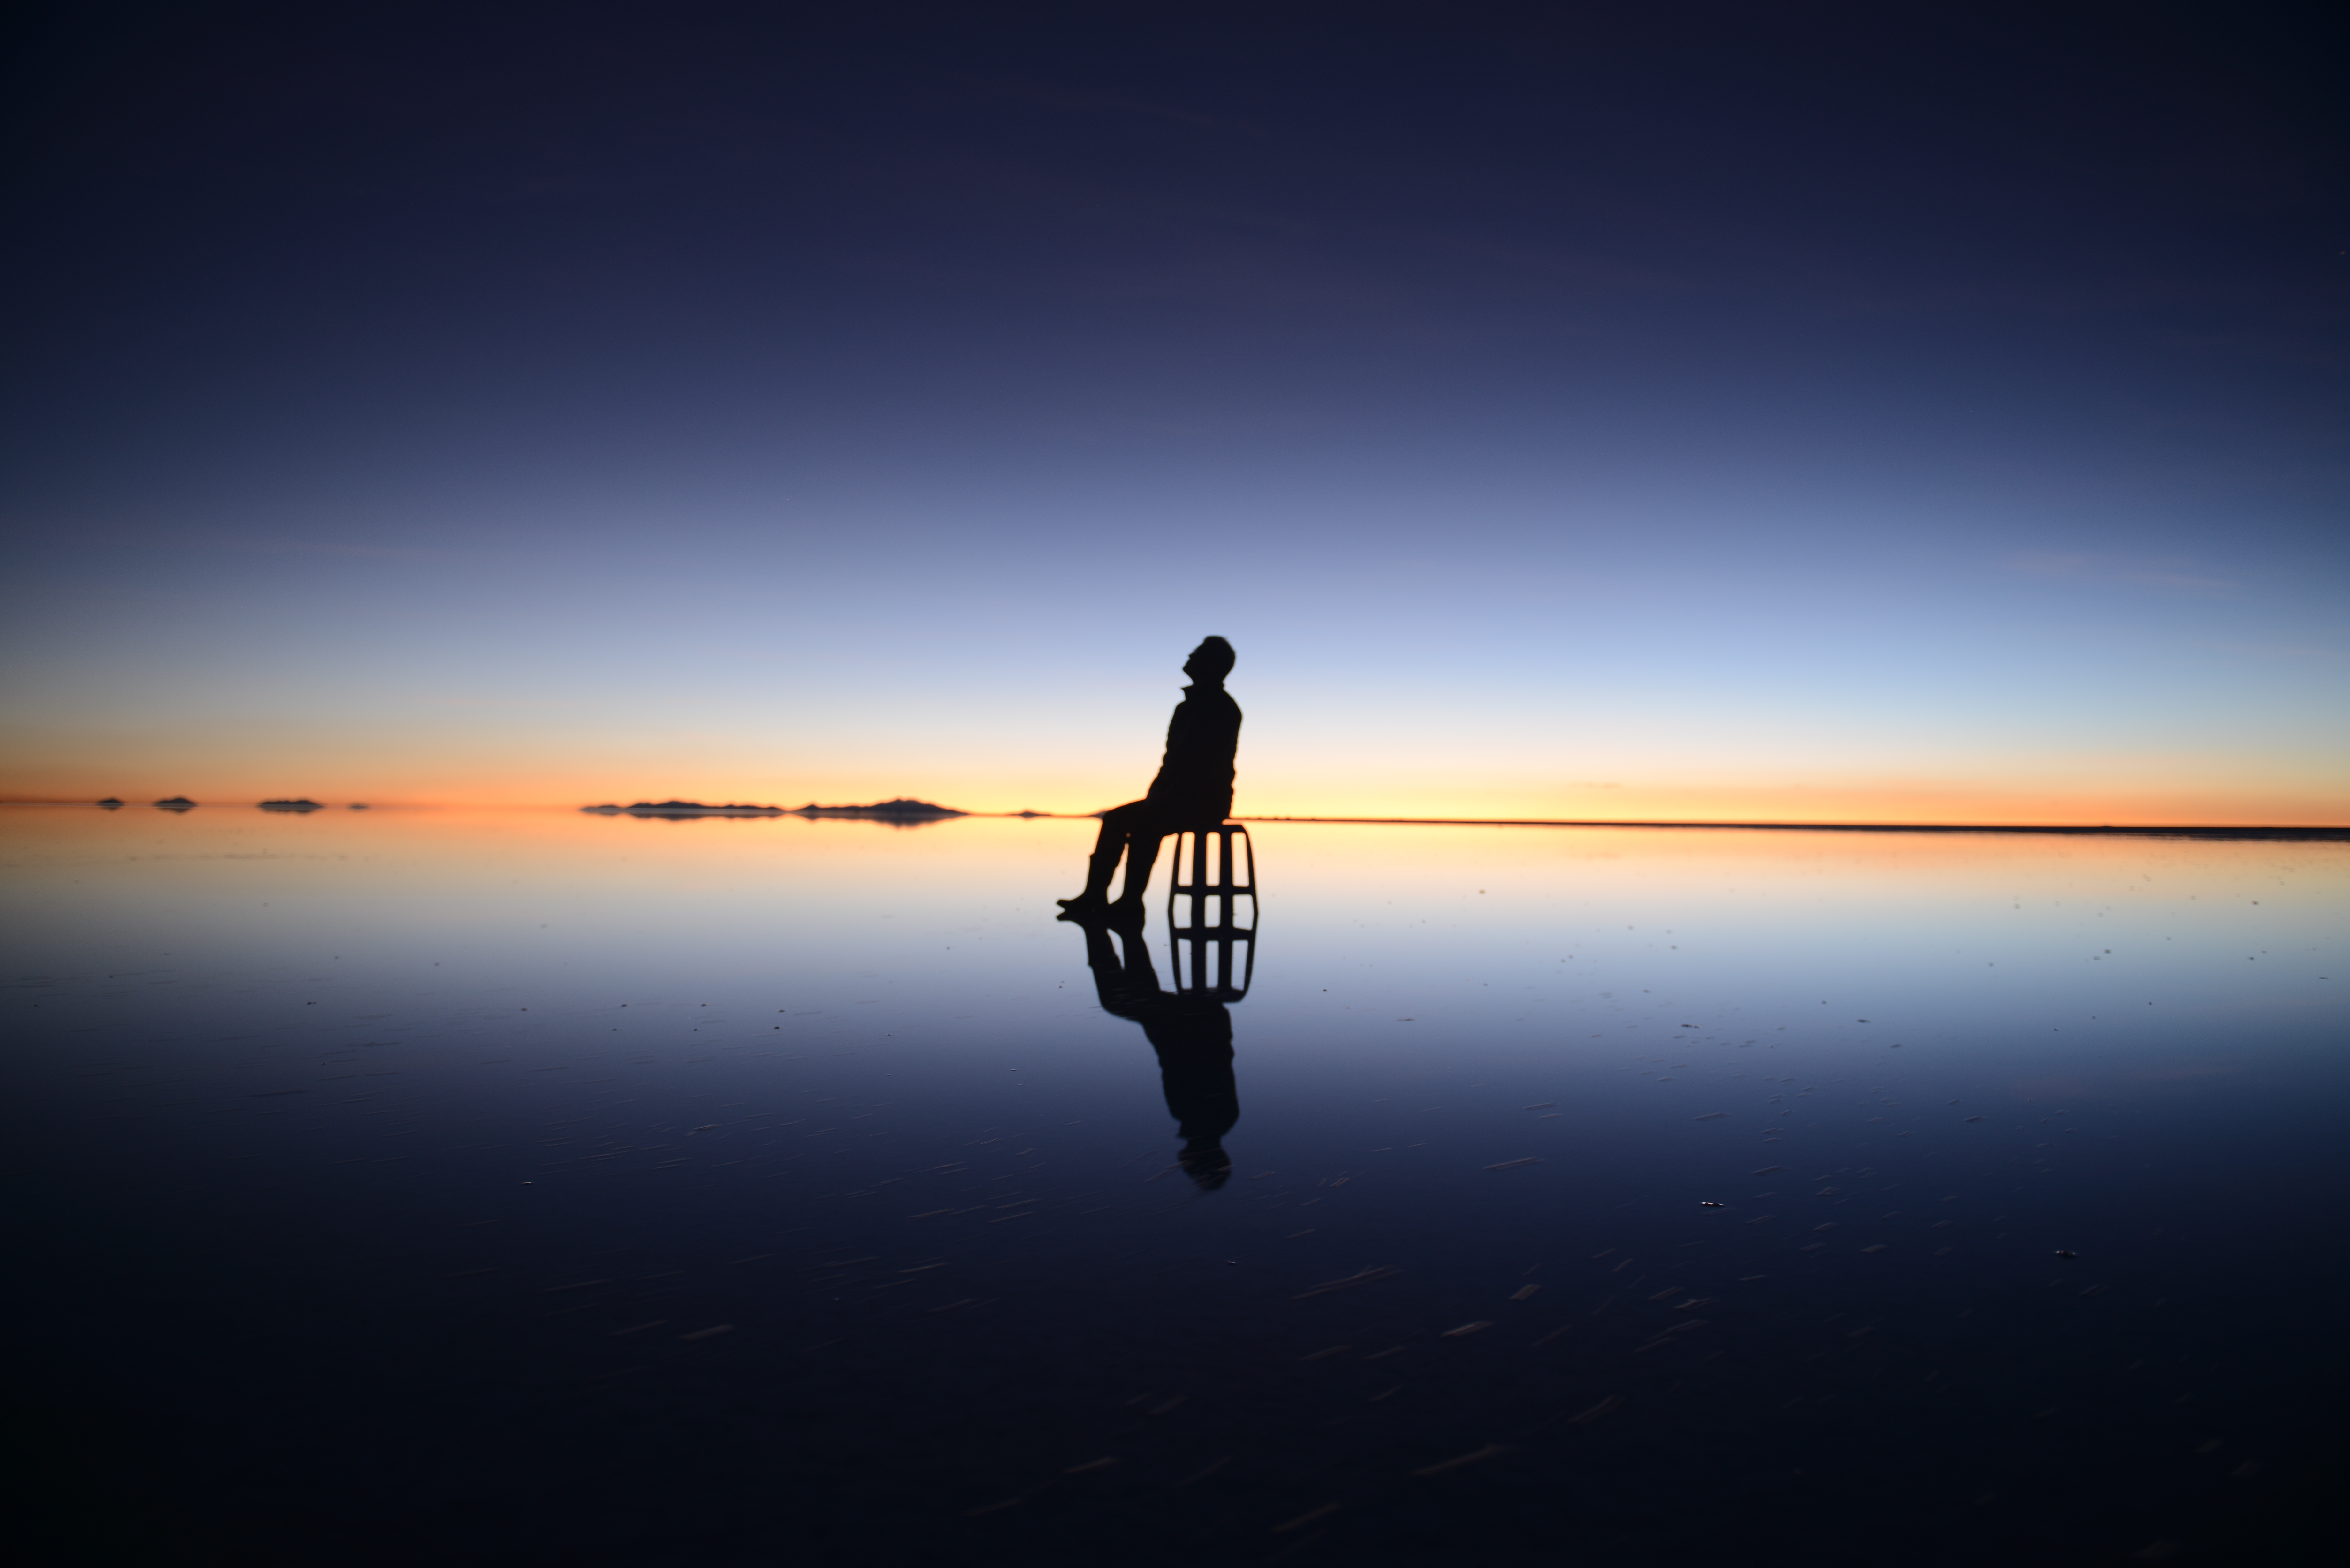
(1084, 907)
(1128, 913)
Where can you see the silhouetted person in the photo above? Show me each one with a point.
(1193, 1038)
(1193, 789)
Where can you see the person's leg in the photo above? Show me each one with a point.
(1116, 823)
(1144, 830)
(1142, 974)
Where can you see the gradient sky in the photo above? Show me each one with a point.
(1790, 412)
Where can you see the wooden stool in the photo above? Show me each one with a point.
(1206, 854)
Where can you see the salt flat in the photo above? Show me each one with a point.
(495, 1184)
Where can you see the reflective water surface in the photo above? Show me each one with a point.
(406, 1186)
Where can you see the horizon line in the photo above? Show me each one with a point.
(2162, 830)
(2172, 830)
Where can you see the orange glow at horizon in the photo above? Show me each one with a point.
(1859, 801)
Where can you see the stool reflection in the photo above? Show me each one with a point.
(1203, 911)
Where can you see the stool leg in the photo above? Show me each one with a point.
(1223, 878)
(1177, 888)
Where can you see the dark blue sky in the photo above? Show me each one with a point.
(1962, 354)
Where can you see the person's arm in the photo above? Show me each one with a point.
(1171, 760)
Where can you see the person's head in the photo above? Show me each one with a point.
(1211, 661)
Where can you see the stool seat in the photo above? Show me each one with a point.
(1206, 869)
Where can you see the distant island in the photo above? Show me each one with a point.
(900, 810)
(900, 807)
(291, 806)
(177, 803)
(681, 808)
(110, 804)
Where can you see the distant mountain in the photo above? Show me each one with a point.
(111, 804)
(902, 811)
(301, 805)
(681, 808)
(177, 803)
(900, 807)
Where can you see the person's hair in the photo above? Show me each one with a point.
(1219, 655)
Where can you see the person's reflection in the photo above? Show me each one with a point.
(1193, 1037)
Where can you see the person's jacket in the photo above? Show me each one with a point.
(1195, 777)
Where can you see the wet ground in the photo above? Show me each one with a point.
(504, 1187)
